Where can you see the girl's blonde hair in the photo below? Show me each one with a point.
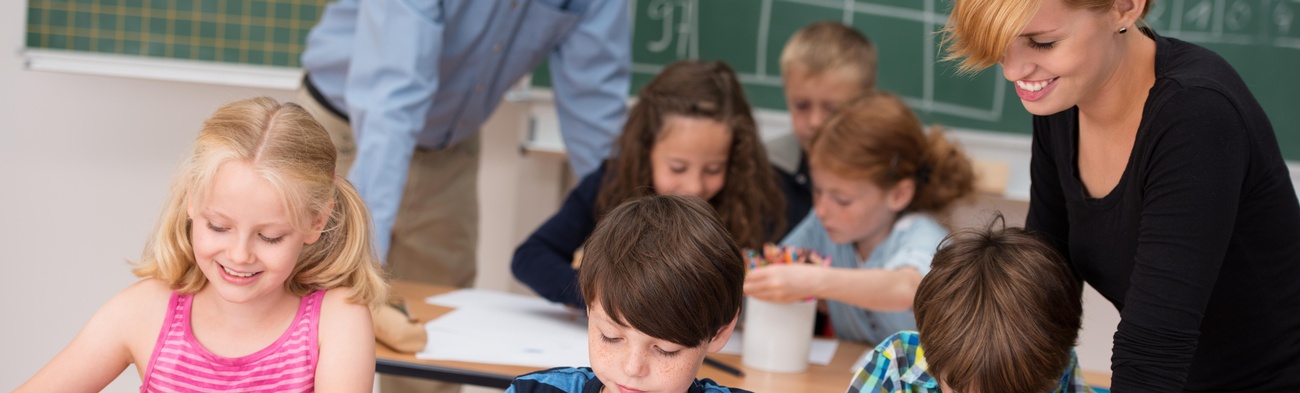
(877, 138)
(284, 144)
(750, 205)
(979, 31)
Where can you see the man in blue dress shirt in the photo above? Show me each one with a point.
(404, 87)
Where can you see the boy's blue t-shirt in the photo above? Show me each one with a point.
(583, 380)
(911, 243)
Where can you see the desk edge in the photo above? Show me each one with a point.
(428, 371)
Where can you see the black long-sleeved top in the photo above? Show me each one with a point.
(790, 165)
(1198, 245)
(797, 189)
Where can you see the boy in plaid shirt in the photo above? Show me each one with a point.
(1000, 311)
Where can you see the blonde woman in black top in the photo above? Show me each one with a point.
(1159, 178)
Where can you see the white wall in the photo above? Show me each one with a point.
(84, 167)
(84, 163)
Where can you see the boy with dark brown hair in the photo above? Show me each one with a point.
(662, 279)
(1000, 311)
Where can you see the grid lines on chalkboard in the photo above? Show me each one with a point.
(258, 32)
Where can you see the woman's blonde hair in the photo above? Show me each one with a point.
(979, 31)
(877, 138)
(284, 144)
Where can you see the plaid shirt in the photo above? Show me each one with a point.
(898, 365)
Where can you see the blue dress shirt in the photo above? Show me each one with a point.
(429, 73)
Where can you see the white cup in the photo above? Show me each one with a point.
(777, 336)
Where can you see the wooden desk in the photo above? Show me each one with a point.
(834, 377)
(1097, 379)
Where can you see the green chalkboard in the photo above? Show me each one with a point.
(258, 32)
(1261, 38)
(1256, 36)
(749, 35)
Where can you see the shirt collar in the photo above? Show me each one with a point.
(917, 375)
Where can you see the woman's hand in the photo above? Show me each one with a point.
(786, 283)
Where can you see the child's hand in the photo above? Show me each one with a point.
(785, 283)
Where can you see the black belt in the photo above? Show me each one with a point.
(320, 98)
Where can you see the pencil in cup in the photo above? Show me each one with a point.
(771, 254)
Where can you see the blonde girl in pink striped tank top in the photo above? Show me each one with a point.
(259, 277)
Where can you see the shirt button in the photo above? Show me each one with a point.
(496, 48)
(478, 88)
(801, 179)
(514, 4)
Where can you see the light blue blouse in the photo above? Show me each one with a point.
(911, 243)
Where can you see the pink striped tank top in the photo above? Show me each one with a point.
(180, 364)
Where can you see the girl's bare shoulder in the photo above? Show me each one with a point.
(336, 301)
(144, 294)
(140, 308)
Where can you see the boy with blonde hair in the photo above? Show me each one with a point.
(823, 66)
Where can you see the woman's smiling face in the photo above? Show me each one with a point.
(1063, 57)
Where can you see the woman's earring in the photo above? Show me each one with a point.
(1123, 30)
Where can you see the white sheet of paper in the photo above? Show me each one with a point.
(820, 352)
(501, 328)
(470, 297)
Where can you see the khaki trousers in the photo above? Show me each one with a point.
(435, 235)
